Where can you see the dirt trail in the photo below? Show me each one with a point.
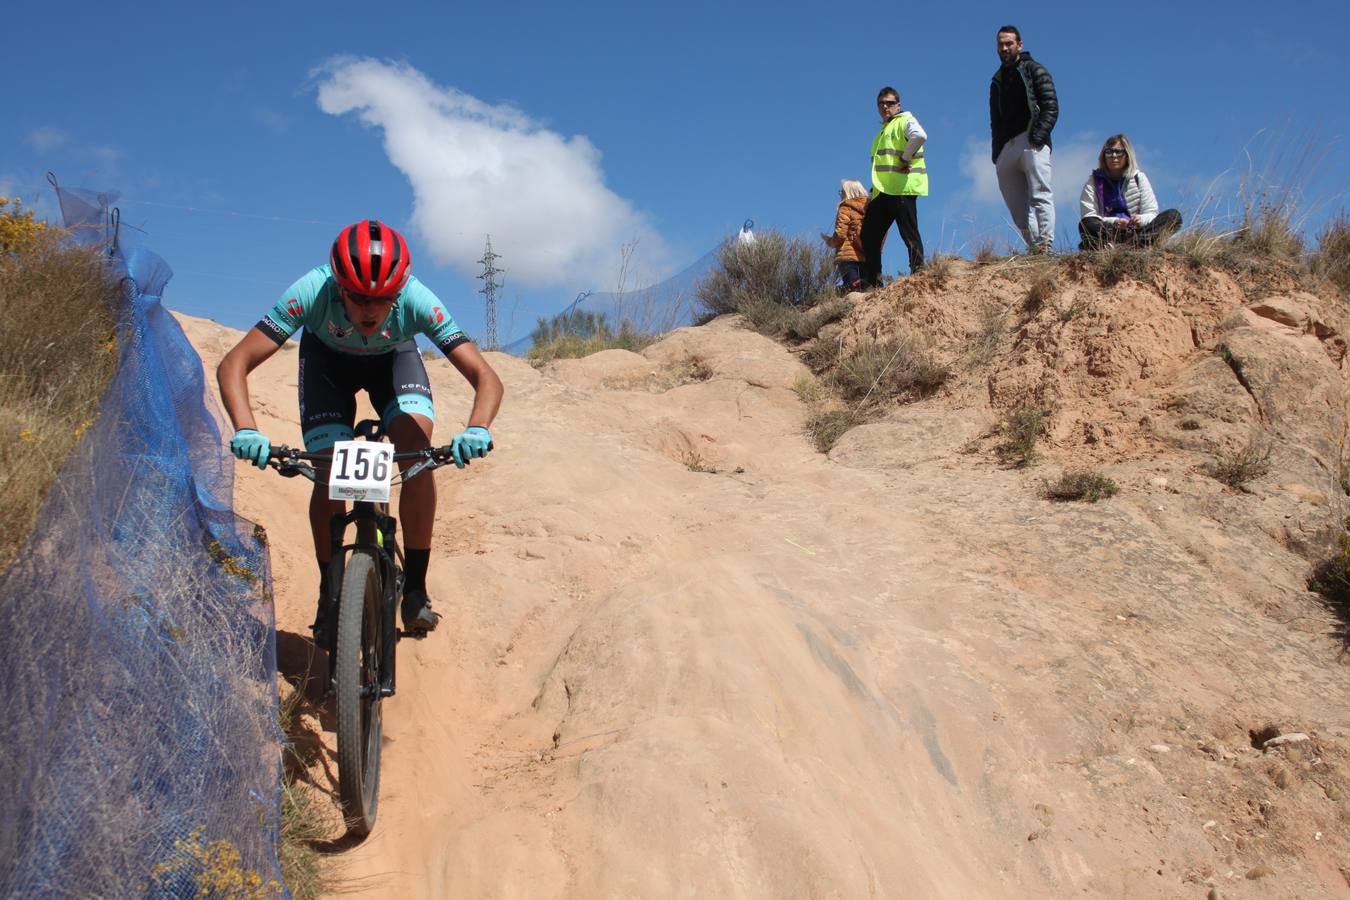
(686, 655)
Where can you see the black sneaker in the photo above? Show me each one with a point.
(418, 616)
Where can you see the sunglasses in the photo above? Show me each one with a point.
(1113, 153)
(365, 299)
(888, 103)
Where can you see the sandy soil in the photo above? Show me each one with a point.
(686, 655)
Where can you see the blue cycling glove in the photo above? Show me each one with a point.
(252, 445)
(473, 442)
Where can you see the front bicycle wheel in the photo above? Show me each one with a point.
(356, 681)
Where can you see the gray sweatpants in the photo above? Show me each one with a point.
(1024, 181)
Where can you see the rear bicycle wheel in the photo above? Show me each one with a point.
(356, 681)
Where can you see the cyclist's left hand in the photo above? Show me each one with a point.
(473, 442)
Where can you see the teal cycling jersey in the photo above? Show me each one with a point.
(314, 303)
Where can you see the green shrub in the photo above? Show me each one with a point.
(579, 333)
(775, 269)
(18, 227)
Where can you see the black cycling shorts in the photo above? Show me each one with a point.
(396, 383)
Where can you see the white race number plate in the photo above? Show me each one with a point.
(362, 470)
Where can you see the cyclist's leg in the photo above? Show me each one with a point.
(409, 416)
(403, 397)
(327, 413)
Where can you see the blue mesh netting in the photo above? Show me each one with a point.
(137, 650)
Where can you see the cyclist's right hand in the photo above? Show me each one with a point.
(252, 445)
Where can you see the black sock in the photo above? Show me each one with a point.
(415, 569)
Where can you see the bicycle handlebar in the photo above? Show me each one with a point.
(290, 461)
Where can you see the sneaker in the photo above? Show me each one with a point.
(418, 616)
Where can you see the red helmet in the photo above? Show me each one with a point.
(371, 258)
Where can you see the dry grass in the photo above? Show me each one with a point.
(1044, 287)
(1201, 246)
(1268, 230)
(902, 366)
(987, 341)
(1021, 430)
(302, 830)
(1244, 465)
(1332, 258)
(1330, 578)
(574, 347)
(808, 323)
(52, 375)
(939, 269)
(1116, 264)
(987, 251)
(1080, 485)
(826, 426)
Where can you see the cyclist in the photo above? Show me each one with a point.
(361, 314)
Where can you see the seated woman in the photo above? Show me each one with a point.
(1117, 205)
(847, 237)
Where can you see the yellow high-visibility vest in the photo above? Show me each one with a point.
(886, 162)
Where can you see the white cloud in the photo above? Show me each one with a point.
(982, 186)
(480, 169)
(46, 138)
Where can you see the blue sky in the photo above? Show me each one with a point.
(242, 137)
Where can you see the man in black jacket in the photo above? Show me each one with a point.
(1022, 113)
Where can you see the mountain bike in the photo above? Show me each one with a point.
(358, 625)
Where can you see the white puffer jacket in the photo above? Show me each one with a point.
(1138, 197)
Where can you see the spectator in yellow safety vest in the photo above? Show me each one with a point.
(899, 177)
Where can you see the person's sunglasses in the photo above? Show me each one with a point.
(888, 103)
(364, 299)
(1113, 153)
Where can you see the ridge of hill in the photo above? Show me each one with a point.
(685, 653)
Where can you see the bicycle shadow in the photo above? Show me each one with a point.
(306, 714)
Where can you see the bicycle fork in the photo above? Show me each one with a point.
(375, 531)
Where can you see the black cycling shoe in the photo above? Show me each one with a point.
(418, 616)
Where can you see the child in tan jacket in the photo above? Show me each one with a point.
(847, 237)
